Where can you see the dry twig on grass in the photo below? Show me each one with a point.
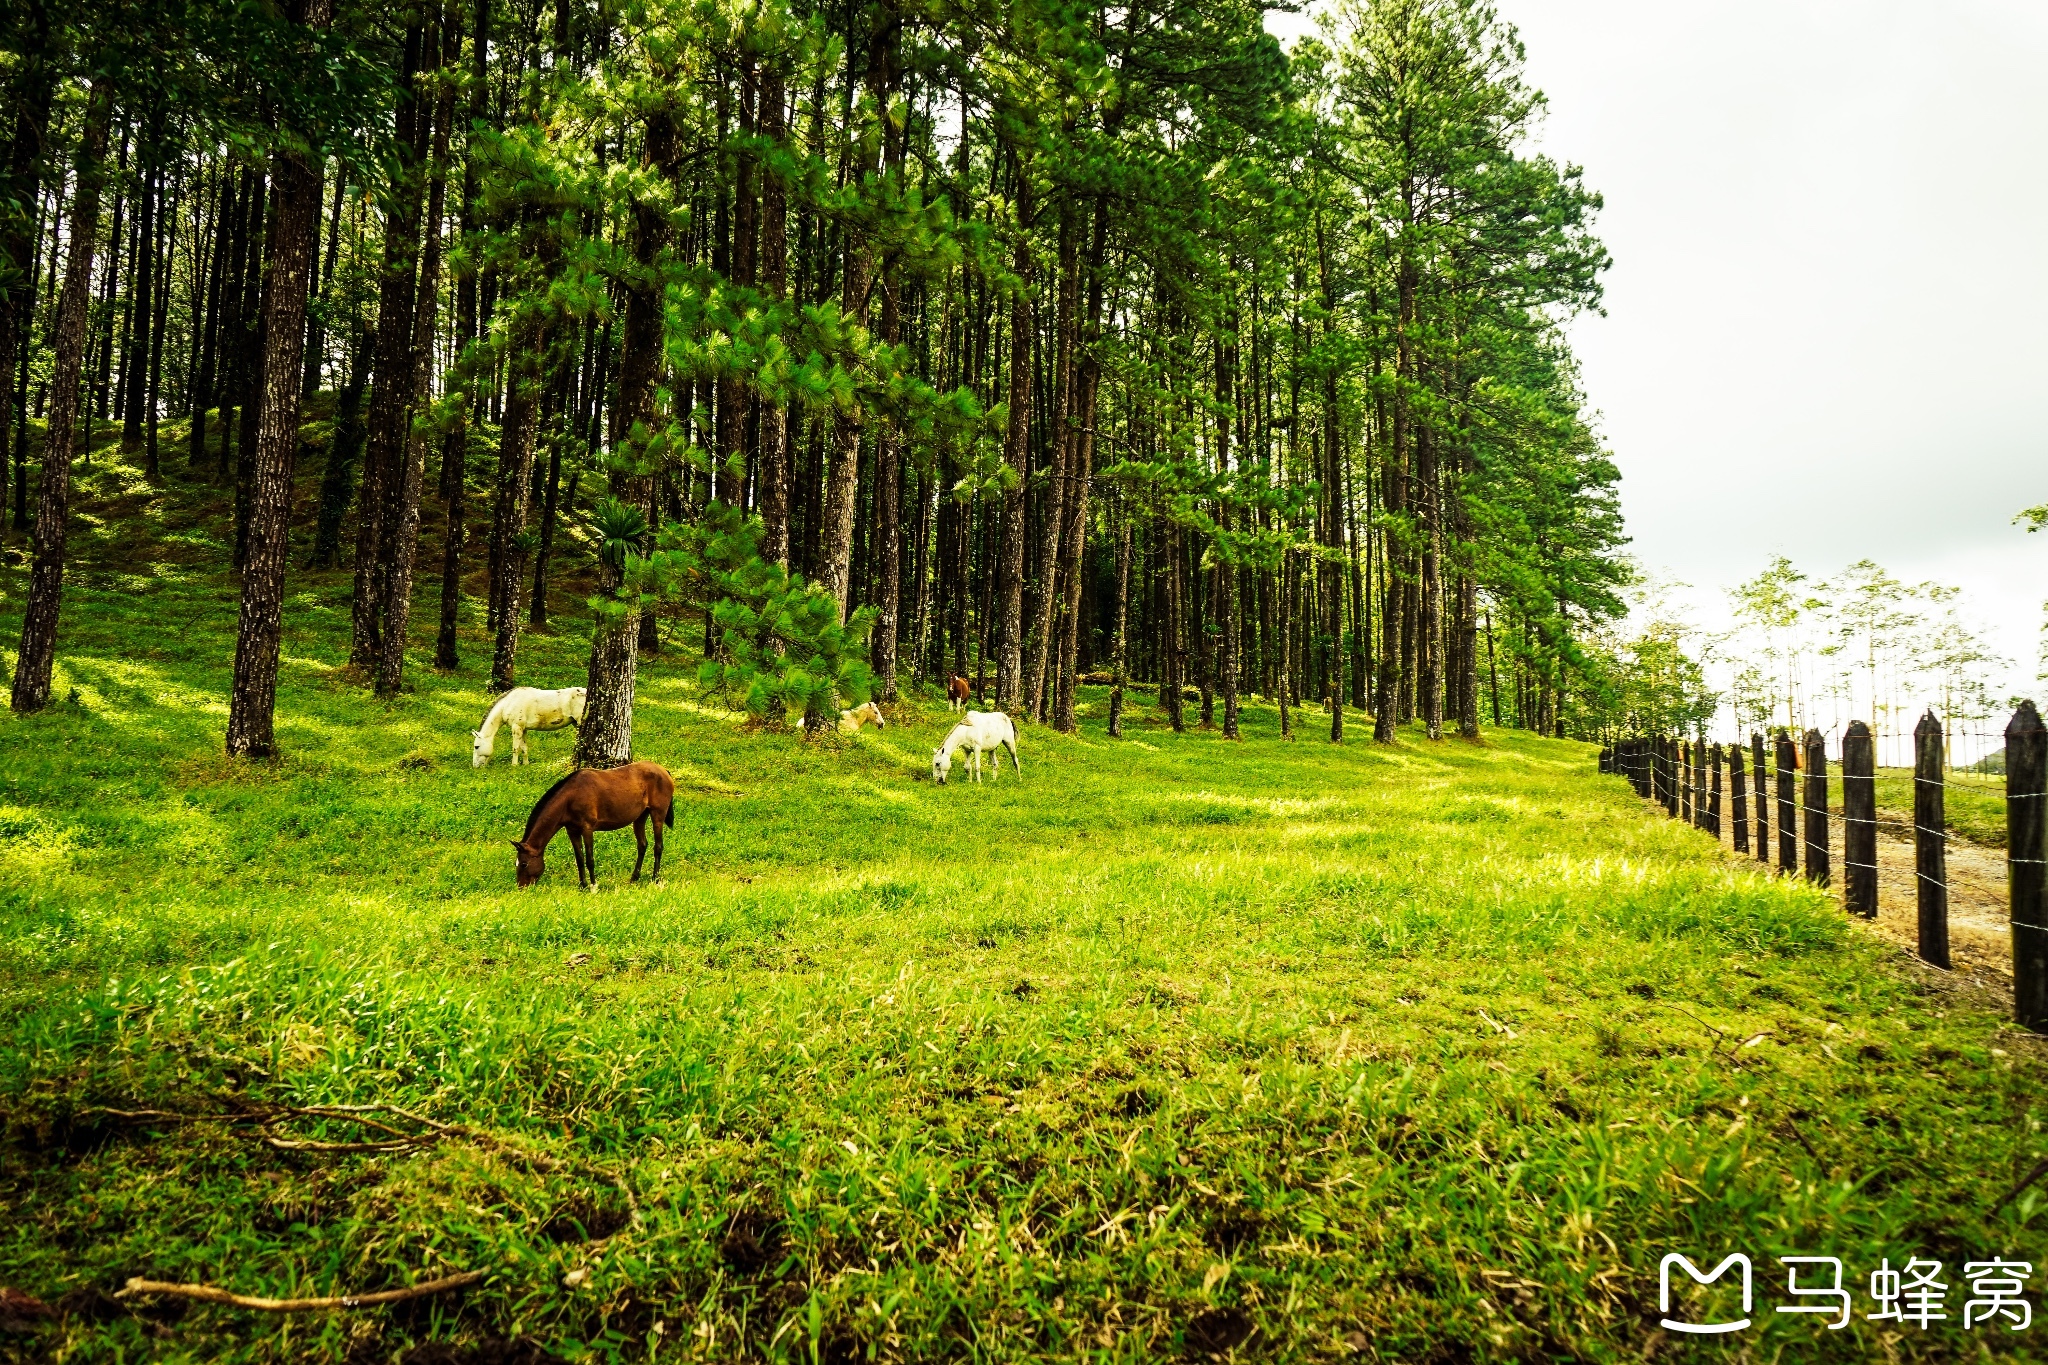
(207, 1293)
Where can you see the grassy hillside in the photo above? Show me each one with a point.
(1175, 1047)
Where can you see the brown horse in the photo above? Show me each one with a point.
(594, 799)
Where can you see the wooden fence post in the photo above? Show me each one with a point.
(1930, 840)
(1788, 831)
(1671, 777)
(1739, 796)
(1714, 793)
(1763, 802)
(1816, 804)
(1699, 785)
(1859, 820)
(2026, 851)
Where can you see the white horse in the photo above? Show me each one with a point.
(867, 713)
(526, 708)
(983, 732)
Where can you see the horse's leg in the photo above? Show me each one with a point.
(576, 847)
(657, 846)
(639, 833)
(590, 854)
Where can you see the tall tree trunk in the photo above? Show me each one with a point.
(1431, 636)
(229, 358)
(403, 528)
(1017, 453)
(316, 321)
(1392, 624)
(392, 387)
(252, 701)
(207, 339)
(774, 271)
(1285, 685)
(38, 652)
(1082, 469)
(1328, 574)
(1226, 573)
(337, 476)
(142, 306)
(250, 372)
(515, 479)
(31, 94)
(1120, 622)
(1066, 296)
(167, 235)
(455, 449)
(544, 553)
(605, 738)
(842, 491)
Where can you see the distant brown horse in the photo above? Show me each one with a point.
(957, 689)
(594, 799)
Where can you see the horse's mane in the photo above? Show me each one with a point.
(533, 816)
(493, 717)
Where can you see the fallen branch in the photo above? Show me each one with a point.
(2040, 1169)
(207, 1293)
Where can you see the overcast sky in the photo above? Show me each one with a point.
(1826, 328)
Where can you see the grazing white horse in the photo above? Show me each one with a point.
(867, 713)
(526, 708)
(983, 732)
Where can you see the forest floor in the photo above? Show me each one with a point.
(1175, 1047)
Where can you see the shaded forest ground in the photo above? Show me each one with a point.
(1175, 1047)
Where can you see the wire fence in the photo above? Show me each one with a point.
(1817, 802)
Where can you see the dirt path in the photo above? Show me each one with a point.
(1979, 937)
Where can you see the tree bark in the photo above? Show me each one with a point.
(142, 307)
(1386, 703)
(455, 449)
(1430, 678)
(1120, 623)
(1082, 468)
(515, 479)
(403, 527)
(1066, 296)
(252, 702)
(37, 656)
(1017, 453)
(774, 271)
(842, 492)
(392, 387)
(605, 737)
(34, 86)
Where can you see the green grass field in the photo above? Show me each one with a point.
(1175, 1048)
(1973, 805)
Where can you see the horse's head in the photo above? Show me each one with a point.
(479, 749)
(867, 710)
(530, 863)
(579, 703)
(942, 763)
